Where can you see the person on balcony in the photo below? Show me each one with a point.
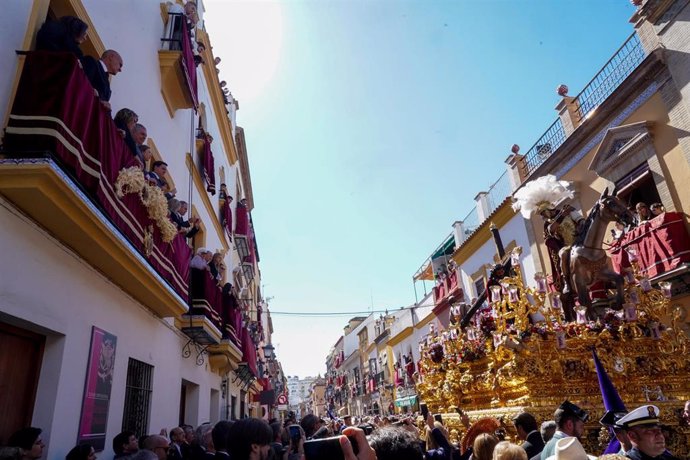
(139, 133)
(217, 267)
(145, 157)
(63, 35)
(97, 71)
(157, 177)
(657, 208)
(177, 211)
(201, 259)
(125, 121)
(642, 213)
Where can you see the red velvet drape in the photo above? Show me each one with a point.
(662, 243)
(57, 110)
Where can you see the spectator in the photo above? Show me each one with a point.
(125, 121)
(277, 444)
(570, 420)
(547, 430)
(82, 452)
(643, 213)
(483, 447)
(177, 211)
(97, 72)
(310, 424)
(657, 208)
(140, 134)
(392, 443)
(250, 438)
(144, 157)
(201, 259)
(156, 176)
(686, 412)
(609, 420)
(644, 432)
(125, 444)
(505, 450)
(221, 437)
(63, 35)
(365, 450)
(433, 422)
(177, 440)
(29, 441)
(569, 448)
(526, 427)
(217, 267)
(159, 445)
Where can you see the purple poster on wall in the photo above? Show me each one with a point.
(99, 381)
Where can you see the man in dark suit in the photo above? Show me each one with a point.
(98, 72)
(220, 436)
(526, 426)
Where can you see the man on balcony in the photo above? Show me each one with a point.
(98, 71)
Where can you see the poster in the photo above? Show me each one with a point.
(99, 382)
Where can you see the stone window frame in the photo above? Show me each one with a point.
(625, 148)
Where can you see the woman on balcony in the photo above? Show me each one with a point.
(63, 35)
(217, 267)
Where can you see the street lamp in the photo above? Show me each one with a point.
(268, 351)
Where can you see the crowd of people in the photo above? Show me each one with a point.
(395, 437)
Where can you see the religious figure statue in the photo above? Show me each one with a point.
(563, 227)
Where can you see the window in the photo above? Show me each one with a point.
(233, 405)
(135, 417)
(479, 286)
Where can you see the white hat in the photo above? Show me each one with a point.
(643, 415)
(570, 449)
(202, 251)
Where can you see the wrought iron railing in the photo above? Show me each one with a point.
(545, 146)
(617, 69)
(499, 191)
(470, 222)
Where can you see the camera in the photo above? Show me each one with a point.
(367, 428)
(327, 448)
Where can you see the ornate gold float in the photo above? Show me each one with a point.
(520, 354)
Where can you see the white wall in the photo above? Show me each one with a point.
(53, 292)
(514, 229)
(13, 23)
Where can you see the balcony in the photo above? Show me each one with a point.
(177, 66)
(448, 291)
(663, 250)
(63, 159)
(218, 305)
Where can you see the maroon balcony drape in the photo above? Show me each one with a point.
(188, 64)
(57, 110)
(662, 243)
(242, 218)
(206, 296)
(209, 168)
(248, 350)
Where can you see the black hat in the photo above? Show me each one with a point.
(569, 408)
(611, 417)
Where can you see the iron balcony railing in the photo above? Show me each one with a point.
(545, 146)
(499, 191)
(618, 68)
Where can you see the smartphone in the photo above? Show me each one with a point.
(327, 449)
(425, 410)
(438, 418)
(295, 432)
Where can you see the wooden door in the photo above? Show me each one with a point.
(21, 352)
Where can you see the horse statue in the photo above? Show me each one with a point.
(586, 260)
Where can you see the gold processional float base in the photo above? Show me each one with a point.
(504, 363)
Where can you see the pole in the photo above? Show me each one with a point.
(497, 241)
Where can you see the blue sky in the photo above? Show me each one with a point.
(371, 125)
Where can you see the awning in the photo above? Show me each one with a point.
(446, 249)
(406, 401)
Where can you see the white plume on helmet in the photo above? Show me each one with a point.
(541, 193)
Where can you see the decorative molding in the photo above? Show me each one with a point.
(213, 86)
(622, 149)
(173, 83)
